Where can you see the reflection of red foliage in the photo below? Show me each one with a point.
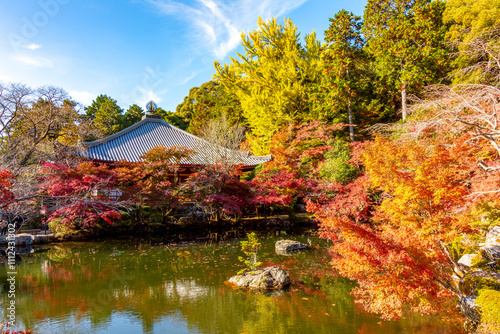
(39, 314)
(60, 274)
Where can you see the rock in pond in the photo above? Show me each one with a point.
(267, 278)
(289, 247)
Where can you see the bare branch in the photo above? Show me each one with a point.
(223, 141)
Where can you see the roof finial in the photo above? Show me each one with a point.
(151, 108)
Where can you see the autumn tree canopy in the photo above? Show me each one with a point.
(36, 124)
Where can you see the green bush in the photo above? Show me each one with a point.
(250, 248)
(248, 176)
(336, 166)
(61, 230)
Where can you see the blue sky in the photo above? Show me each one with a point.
(137, 50)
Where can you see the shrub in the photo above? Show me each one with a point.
(336, 166)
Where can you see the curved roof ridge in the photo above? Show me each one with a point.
(115, 135)
(130, 143)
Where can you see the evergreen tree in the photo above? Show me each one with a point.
(106, 114)
(209, 101)
(133, 115)
(405, 37)
(336, 90)
(172, 118)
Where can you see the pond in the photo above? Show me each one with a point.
(130, 287)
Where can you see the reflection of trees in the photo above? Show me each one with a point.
(59, 253)
(151, 284)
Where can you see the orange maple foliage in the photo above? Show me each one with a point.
(161, 153)
(398, 258)
(301, 147)
(149, 181)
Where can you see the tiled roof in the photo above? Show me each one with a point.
(129, 144)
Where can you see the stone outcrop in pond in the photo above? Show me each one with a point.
(267, 278)
(289, 247)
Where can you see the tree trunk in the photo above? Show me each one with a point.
(404, 107)
(351, 123)
(349, 109)
(176, 178)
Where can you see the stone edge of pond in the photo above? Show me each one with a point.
(25, 239)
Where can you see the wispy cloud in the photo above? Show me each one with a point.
(188, 78)
(148, 95)
(34, 61)
(217, 24)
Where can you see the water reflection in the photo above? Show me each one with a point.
(114, 287)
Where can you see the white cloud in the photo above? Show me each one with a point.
(34, 61)
(217, 24)
(83, 97)
(5, 78)
(32, 46)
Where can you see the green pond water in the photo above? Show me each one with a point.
(129, 287)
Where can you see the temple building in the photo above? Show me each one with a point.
(132, 142)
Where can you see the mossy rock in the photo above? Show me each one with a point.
(489, 305)
(480, 260)
(477, 281)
